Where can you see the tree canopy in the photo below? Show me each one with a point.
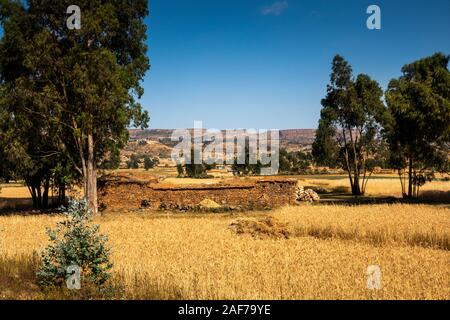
(418, 126)
(74, 91)
(350, 123)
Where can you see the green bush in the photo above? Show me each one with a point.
(134, 161)
(75, 242)
(150, 163)
(180, 171)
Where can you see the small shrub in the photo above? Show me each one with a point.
(134, 161)
(145, 203)
(150, 163)
(75, 242)
(180, 171)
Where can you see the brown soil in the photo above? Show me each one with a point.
(131, 192)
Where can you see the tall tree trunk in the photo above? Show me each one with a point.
(79, 143)
(33, 194)
(402, 181)
(356, 188)
(62, 193)
(39, 195)
(365, 182)
(347, 161)
(410, 177)
(91, 178)
(349, 171)
(45, 194)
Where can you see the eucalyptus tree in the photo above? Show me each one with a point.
(418, 126)
(350, 124)
(85, 83)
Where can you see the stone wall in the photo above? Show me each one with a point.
(127, 193)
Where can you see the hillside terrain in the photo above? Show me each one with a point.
(158, 143)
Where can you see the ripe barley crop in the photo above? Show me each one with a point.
(415, 225)
(199, 257)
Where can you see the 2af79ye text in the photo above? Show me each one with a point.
(246, 309)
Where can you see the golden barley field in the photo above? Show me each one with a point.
(324, 254)
(382, 185)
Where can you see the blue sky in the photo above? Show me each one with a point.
(265, 64)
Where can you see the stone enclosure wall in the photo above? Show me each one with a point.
(127, 193)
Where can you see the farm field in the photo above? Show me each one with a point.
(199, 257)
(295, 252)
(379, 185)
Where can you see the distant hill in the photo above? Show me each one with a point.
(295, 139)
(150, 134)
(297, 136)
(157, 142)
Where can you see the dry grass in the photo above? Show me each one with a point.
(382, 185)
(399, 224)
(200, 257)
(14, 190)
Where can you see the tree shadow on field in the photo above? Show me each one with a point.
(23, 207)
(18, 281)
(15, 205)
(18, 278)
(434, 197)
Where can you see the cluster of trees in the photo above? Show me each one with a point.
(246, 167)
(295, 162)
(194, 170)
(68, 96)
(407, 127)
(239, 167)
(137, 159)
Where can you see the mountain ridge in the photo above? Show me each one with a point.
(158, 142)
